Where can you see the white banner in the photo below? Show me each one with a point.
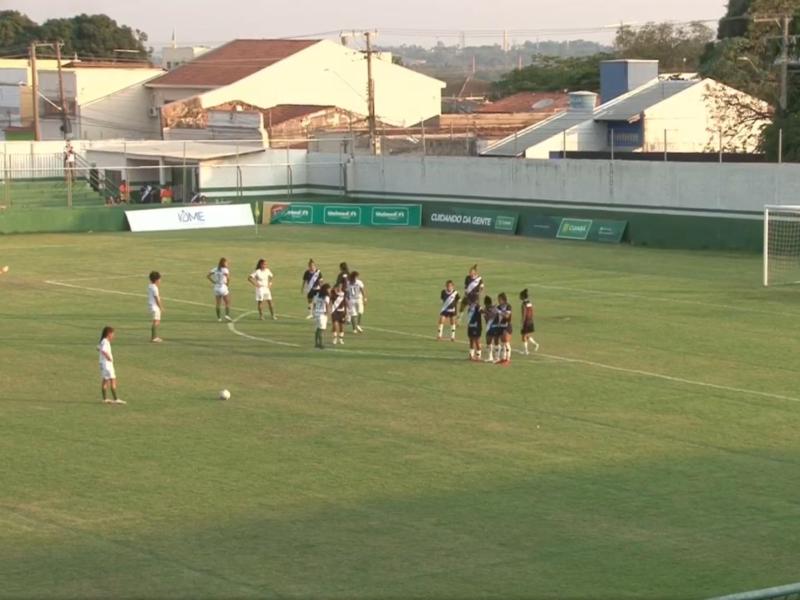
(192, 216)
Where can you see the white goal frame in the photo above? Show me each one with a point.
(767, 209)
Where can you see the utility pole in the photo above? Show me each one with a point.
(784, 22)
(37, 129)
(65, 126)
(373, 141)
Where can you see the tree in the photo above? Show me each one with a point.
(550, 74)
(88, 36)
(16, 31)
(746, 57)
(675, 47)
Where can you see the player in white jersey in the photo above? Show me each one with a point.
(220, 276)
(320, 308)
(154, 304)
(356, 299)
(108, 375)
(261, 279)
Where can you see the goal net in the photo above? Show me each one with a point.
(781, 245)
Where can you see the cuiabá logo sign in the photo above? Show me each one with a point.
(576, 228)
(191, 216)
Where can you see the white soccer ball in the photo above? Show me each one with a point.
(224, 395)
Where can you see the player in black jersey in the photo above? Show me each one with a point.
(527, 322)
(504, 313)
(448, 311)
(312, 281)
(492, 332)
(338, 313)
(473, 284)
(474, 326)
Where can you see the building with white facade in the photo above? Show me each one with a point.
(104, 101)
(267, 73)
(642, 111)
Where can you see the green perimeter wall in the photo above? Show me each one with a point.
(644, 229)
(63, 220)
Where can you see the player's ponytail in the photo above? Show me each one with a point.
(523, 295)
(106, 332)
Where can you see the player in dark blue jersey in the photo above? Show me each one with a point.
(492, 334)
(473, 284)
(312, 281)
(504, 313)
(448, 310)
(527, 322)
(338, 313)
(474, 326)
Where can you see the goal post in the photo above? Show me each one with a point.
(781, 245)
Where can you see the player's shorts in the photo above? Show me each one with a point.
(108, 372)
(155, 313)
(528, 327)
(355, 307)
(220, 291)
(474, 332)
(321, 321)
(507, 330)
(263, 293)
(310, 295)
(491, 333)
(448, 312)
(339, 316)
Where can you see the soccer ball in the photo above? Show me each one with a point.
(224, 395)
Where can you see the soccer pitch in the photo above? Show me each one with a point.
(648, 450)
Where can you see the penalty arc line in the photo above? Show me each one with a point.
(556, 357)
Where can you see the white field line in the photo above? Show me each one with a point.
(556, 357)
(641, 372)
(663, 299)
(232, 327)
(143, 276)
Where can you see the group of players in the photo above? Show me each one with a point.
(342, 303)
(496, 315)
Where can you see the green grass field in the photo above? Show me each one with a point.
(649, 450)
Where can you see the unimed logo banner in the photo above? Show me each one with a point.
(190, 217)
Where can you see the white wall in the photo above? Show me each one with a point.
(120, 115)
(693, 120)
(330, 74)
(258, 172)
(597, 184)
(588, 135)
(90, 84)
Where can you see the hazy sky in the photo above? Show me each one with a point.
(197, 21)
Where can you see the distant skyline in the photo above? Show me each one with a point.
(409, 21)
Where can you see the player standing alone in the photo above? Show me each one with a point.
(527, 322)
(154, 304)
(320, 306)
(220, 276)
(312, 280)
(356, 299)
(448, 311)
(108, 375)
(261, 279)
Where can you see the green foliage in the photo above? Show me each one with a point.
(88, 36)
(16, 31)
(550, 74)
(676, 47)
